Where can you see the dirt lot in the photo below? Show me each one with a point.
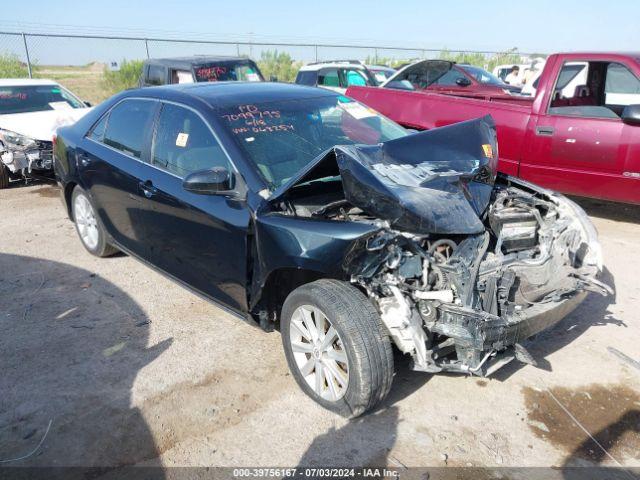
(126, 367)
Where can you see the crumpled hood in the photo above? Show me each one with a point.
(41, 125)
(438, 181)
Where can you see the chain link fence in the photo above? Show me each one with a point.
(79, 61)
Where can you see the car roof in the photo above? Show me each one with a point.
(23, 82)
(226, 94)
(381, 67)
(187, 62)
(312, 67)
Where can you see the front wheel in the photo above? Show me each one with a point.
(4, 176)
(336, 346)
(88, 226)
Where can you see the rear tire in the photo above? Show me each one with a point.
(88, 225)
(347, 365)
(4, 176)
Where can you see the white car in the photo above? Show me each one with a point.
(336, 75)
(30, 113)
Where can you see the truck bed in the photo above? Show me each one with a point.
(424, 111)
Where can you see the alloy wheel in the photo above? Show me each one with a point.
(319, 353)
(86, 221)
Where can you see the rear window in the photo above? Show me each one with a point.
(228, 71)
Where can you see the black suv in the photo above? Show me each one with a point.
(163, 71)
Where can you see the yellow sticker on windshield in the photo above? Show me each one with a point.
(181, 139)
(488, 150)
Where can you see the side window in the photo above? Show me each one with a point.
(329, 77)
(449, 78)
(423, 74)
(578, 91)
(354, 77)
(155, 75)
(184, 144)
(129, 121)
(97, 131)
(181, 76)
(621, 86)
(307, 78)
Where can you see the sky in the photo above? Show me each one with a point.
(539, 26)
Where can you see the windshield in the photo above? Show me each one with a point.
(36, 98)
(482, 76)
(381, 74)
(280, 138)
(228, 71)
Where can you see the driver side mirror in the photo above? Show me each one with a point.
(273, 78)
(88, 104)
(631, 115)
(214, 181)
(463, 82)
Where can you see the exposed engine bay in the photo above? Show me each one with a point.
(466, 263)
(25, 160)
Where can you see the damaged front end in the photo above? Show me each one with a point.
(466, 264)
(24, 156)
(466, 303)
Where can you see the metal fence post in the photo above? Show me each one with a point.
(238, 49)
(316, 48)
(375, 56)
(146, 47)
(26, 51)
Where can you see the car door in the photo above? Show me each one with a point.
(110, 164)
(353, 77)
(579, 144)
(200, 240)
(328, 78)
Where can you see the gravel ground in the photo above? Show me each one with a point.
(120, 366)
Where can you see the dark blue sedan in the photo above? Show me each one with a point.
(299, 208)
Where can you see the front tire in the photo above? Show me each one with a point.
(90, 230)
(4, 176)
(336, 346)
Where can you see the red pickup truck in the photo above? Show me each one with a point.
(579, 134)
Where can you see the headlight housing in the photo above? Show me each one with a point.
(15, 141)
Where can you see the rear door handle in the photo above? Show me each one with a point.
(148, 189)
(545, 131)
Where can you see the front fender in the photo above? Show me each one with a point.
(286, 242)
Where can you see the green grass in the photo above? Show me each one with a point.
(12, 67)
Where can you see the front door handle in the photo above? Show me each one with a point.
(545, 131)
(148, 189)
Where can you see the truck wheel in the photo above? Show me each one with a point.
(88, 226)
(336, 346)
(4, 176)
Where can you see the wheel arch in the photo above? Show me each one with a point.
(279, 283)
(68, 192)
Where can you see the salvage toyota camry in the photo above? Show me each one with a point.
(301, 209)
